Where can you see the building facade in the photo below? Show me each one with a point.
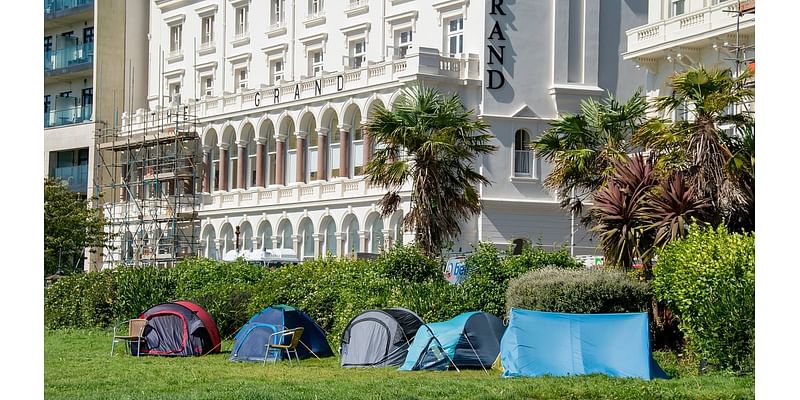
(278, 92)
(682, 34)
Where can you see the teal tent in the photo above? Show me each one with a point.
(540, 343)
(470, 340)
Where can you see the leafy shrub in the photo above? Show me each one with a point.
(490, 270)
(409, 263)
(577, 291)
(708, 280)
(137, 289)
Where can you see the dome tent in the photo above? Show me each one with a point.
(180, 328)
(251, 340)
(378, 338)
(470, 340)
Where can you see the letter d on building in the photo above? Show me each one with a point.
(501, 79)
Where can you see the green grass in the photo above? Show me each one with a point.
(78, 366)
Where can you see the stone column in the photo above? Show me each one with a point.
(280, 160)
(223, 167)
(387, 239)
(256, 243)
(301, 156)
(260, 153)
(364, 237)
(322, 154)
(318, 243)
(206, 169)
(344, 151)
(296, 246)
(340, 250)
(241, 165)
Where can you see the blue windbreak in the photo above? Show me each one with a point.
(542, 343)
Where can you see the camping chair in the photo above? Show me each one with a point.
(135, 334)
(276, 340)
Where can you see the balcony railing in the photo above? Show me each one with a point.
(679, 27)
(76, 176)
(69, 57)
(54, 6)
(67, 116)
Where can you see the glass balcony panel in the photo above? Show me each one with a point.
(54, 6)
(69, 57)
(67, 116)
(76, 176)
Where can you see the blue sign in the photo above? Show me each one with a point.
(455, 271)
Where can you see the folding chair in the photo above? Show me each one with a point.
(135, 334)
(276, 342)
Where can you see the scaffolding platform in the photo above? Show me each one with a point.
(147, 184)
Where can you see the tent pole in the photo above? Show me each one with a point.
(441, 347)
(476, 353)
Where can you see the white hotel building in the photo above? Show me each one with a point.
(282, 88)
(681, 34)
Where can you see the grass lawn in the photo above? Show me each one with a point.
(77, 365)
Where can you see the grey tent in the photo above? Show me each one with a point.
(379, 338)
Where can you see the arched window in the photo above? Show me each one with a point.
(352, 246)
(271, 159)
(312, 142)
(333, 148)
(307, 237)
(376, 236)
(211, 243)
(286, 234)
(330, 238)
(251, 163)
(233, 157)
(523, 156)
(356, 144)
(290, 169)
(245, 236)
(265, 233)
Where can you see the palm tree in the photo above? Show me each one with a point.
(718, 163)
(432, 141)
(583, 147)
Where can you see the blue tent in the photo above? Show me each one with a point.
(470, 340)
(249, 343)
(540, 343)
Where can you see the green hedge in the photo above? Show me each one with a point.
(578, 291)
(708, 280)
(332, 291)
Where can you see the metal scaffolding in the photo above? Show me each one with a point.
(147, 183)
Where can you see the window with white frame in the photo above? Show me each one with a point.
(277, 11)
(316, 61)
(358, 53)
(175, 93)
(276, 71)
(207, 31)
(677, 7)
(403, 42)
(314, 7)
(208, 86)
(455, 36)
(523, 156)
(242, 20)
(175, 41)
(241, 79)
